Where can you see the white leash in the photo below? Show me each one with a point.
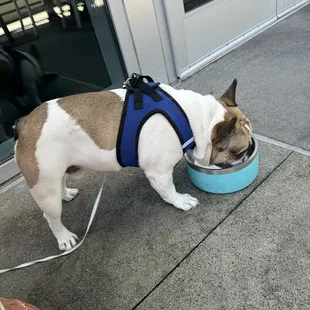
(93, 213)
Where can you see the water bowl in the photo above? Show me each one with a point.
(213, 179)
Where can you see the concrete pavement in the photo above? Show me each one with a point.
(259, 258)
(135, 241)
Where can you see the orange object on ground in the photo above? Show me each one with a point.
(15, 304)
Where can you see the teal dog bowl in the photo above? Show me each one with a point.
(227, 180)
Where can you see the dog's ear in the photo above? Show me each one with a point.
(229, 97)
(223, 129)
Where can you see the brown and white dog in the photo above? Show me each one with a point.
(80, 132)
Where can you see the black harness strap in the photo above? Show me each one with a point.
(136, 84)
(138, 104)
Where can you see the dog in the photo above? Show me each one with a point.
(70, 134)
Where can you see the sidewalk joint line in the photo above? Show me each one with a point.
(282, 144)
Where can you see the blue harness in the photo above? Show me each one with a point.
(142, 101)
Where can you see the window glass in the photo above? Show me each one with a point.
(51, 49)
(193, 4)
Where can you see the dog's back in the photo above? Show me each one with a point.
(71, 131)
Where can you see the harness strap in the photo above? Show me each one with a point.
(136, 84)
(138, 95)
(142, 101)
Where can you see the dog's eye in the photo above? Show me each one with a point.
(237, 153)
(242, 153)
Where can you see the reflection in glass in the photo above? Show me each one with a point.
(193, 4)
(48, 51)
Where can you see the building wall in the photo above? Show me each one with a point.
(157, 45)
(143, 36)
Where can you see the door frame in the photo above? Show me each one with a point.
(290, 9)
(8, 170)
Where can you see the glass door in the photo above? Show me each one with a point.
(51, 50)
(199, 28)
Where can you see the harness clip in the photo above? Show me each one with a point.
(133, 80)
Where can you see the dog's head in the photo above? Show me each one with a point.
(231, 137)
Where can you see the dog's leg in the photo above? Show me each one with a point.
(159, 151)
(162, 182)
(48, 196)
(68, 194)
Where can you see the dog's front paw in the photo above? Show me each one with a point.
(185, 202)
(69, 194)
(67, 240)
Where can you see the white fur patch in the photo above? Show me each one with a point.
(64, 143)
(247, 127)
(121, 92)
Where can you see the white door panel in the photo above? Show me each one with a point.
(284, 4)
(203, 30)
(214, 26)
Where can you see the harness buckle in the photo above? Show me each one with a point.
(132, 80)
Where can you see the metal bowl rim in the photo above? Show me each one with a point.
(227, 170)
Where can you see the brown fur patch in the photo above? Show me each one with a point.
(98, 114)
(229, 97)
(29, 130)
(229, 140)
(228, 101)
(235, 112)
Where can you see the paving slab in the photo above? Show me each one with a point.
(259, 258)
(135, 241)
(273, 72)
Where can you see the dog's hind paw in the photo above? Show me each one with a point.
(69, 194)
(185, 202)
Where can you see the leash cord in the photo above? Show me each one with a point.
(93, 213)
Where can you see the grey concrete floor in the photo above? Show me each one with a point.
(257, 259)
(248, 250)
(135, 241)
